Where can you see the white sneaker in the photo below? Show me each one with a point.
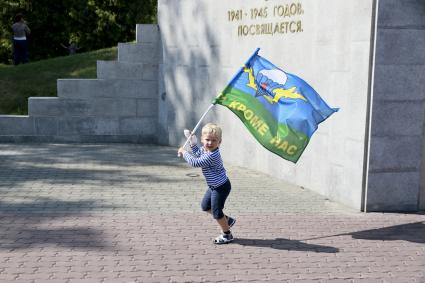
(223, 239)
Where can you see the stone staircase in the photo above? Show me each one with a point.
(120, 105)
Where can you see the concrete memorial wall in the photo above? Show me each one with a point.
(327, 43)
(396, 167)
(364, 56)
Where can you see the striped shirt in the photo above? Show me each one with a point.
(211, 164)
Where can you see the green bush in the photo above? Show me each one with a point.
(91, 24)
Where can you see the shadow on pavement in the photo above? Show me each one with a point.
(14, 176)
(412, 232)
(23, 224)
(51, 206)
(67, 163)
(285, 244)
(82, 237)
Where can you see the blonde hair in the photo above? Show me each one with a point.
(212, 128)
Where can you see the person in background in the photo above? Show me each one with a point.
(20, 45)
(72, 48)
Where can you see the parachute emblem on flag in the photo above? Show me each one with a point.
(271, 86)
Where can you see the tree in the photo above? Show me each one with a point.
(91, 24)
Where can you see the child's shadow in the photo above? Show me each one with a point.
(285, 244)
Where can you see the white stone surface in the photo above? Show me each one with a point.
(202, 51)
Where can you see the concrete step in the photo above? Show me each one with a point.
(138, 53)
(120, 106)
(126, 70)
(95, 88)
(139, 139)
(137, 126)
(17, 125)
(147, 33)
(99, 107)
(78, 129)
(55, 107)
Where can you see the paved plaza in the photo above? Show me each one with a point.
(131, 213)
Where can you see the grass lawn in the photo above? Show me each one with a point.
(17, 83)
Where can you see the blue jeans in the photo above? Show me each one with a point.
(215, 198)
(20, 50)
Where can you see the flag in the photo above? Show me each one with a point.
(280, 110)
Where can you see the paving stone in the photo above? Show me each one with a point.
(131, 213)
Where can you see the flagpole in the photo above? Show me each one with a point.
(244, 65)
(212, 105)
(199, 122)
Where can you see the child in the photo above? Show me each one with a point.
(209, 159)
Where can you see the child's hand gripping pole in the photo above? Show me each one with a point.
(192, 138)
(196, 127)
